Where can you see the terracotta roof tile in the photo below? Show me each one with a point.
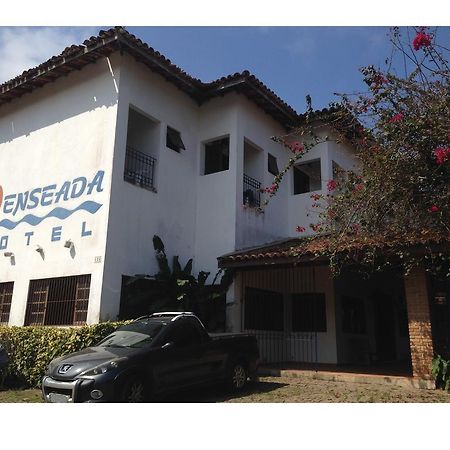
(77, 56)
(308, 249)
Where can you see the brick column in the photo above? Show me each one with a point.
(419, 323)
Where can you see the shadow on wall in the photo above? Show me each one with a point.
(93, 87)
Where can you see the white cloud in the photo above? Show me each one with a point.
(302, 43)
(22, 48)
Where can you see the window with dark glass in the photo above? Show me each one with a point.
(184, 335)
(307, 177)
(6, 292)
(263, 310)
(272, 165)
(217, 155)
(173, 140)
(353, 315)
(309, 312)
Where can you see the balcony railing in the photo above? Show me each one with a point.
(252, 192)
(139, 169)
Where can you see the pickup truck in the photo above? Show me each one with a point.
(151, 356)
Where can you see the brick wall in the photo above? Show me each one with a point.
(419, 323)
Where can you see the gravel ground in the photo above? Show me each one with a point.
(286, 390)
(307, 390)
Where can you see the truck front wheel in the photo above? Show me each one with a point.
(134, 390)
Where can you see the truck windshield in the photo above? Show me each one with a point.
(136, 334)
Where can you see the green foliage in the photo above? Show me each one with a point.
(176, 289)
(398, 196)
(180, 290)
(440, 369)
(31, 349)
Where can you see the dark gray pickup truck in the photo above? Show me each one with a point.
(151, 356)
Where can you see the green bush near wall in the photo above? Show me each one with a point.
(31, 349)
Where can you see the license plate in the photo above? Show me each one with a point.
(54, 397)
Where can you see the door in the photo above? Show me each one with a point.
(384, 322)
(183, 359)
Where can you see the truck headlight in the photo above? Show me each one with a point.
(102, 368)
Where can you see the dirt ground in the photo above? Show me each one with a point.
(282, 389)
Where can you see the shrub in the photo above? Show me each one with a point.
(31, 349)
(440, 369)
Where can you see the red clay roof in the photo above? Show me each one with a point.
(115, 39)
(306, 250)
(276, 252)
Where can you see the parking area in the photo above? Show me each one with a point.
(307, 390)
(285, 390)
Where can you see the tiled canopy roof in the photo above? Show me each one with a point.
(76, 57)
(305, 250)
(278, 252)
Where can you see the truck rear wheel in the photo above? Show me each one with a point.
(238, 377)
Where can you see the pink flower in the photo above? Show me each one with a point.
(332, 185)
(300, 229)
(378, 80)
(297, 147)
(359, 187)
(397, 118)
(422, 39)
(433, 209)
(442, 154)
(271, 189)
(316, 197)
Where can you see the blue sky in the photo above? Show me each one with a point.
(292, 61)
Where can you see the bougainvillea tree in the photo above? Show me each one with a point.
(396, 206)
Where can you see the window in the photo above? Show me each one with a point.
(58, 301)
(139, 169)
(141, 150)
(309, 312)
(272, 165)
(173, 140)
(263, 310)
(252, 192)
(307, 177)
(353, 315)
(217, 155)
(6, 292)
(184, 335)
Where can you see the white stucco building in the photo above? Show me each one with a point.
(108, 144)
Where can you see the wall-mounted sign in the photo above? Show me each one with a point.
(12, 205)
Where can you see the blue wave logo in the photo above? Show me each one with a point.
(60, 213)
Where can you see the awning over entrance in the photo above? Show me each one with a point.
(284, 252)
(306, 250)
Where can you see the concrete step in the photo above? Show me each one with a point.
(389, 380)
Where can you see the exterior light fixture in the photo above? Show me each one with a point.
(440, 298)
(8, 254)
(69, 244)
(39, 249)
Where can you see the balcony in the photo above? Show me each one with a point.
(139, 169)
(252, 192)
